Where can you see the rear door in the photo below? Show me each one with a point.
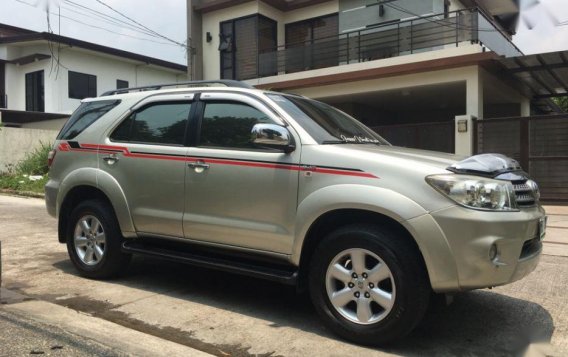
(146, 155)
(237, 194)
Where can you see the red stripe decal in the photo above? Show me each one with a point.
(110, 149)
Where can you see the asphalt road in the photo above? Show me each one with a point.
(225, 314)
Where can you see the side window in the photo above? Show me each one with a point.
(228, 124)
(160, 123)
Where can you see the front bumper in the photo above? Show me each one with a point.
(456, 244)
(470, 235)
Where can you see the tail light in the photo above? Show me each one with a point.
(51, 157)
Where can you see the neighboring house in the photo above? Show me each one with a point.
(411, 69)
(42, 72)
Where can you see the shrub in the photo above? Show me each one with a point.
(35, 163)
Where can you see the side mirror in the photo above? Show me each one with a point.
(272, 136)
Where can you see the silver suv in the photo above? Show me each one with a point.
(285, 188)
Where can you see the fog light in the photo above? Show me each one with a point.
(493, 252)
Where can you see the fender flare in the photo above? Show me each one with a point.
(105, 183)
(385, 202)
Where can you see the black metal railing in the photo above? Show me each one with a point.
(386, 40)
(4, 101)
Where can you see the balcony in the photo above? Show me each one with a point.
(393, 39)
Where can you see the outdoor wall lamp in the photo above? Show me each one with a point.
(208, 37)
(462, 126)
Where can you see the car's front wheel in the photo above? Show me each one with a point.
(94, 241)
(368, 284)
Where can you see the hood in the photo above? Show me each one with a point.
(434, 159)
(484, 164)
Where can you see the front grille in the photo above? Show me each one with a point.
(524, 194)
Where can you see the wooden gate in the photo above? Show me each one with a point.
(539, 143)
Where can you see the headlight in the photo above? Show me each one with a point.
(476, 192)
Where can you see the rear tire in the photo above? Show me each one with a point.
(368, 284)
(94, 241)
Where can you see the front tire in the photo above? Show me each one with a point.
(368, 284)
(94, 241)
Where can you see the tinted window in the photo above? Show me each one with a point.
(82, 85)
(162, 123)
(84, 116)
(35, 92)
(229, 124)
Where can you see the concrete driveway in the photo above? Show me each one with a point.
(225, 314)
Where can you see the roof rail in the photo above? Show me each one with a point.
(221, 82)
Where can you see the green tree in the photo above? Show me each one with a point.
(562, 102)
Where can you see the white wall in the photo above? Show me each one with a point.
(16, 143)
(107, 69)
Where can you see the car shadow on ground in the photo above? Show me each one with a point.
(477, 322)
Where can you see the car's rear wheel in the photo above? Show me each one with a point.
(94, 241)
(368, 284)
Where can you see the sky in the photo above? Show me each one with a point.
(167, 18)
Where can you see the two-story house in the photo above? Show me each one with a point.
(411, 69)
(44, 76)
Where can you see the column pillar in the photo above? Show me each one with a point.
(474, 109)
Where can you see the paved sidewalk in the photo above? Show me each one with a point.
(31, 327)
(556, 239)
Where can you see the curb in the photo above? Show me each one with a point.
(106, 333)
(22, 193)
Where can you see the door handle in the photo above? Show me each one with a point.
(198, 166)
(110, 159)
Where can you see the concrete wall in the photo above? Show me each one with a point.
(107, 69)
(16, 143)
(54, 124)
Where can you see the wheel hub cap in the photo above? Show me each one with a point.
(90, 240)
(360, 286)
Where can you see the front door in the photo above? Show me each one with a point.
(238, 194)
(146, 155)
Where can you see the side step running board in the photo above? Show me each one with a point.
(248, 268)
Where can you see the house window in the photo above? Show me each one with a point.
(248, 47)
(312, 43)
(82, 85)
(120, 84)
(35, 101)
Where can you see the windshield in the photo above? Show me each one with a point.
(326, 124)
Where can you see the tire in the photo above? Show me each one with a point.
(379, 305)
(95, 248)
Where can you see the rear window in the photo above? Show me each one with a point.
(84, 116)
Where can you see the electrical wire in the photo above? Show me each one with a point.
(139, 24)
(110, 19)
(119, 24)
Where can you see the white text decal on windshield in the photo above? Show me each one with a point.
(358, 139)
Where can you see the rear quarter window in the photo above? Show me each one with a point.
(85, 116)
